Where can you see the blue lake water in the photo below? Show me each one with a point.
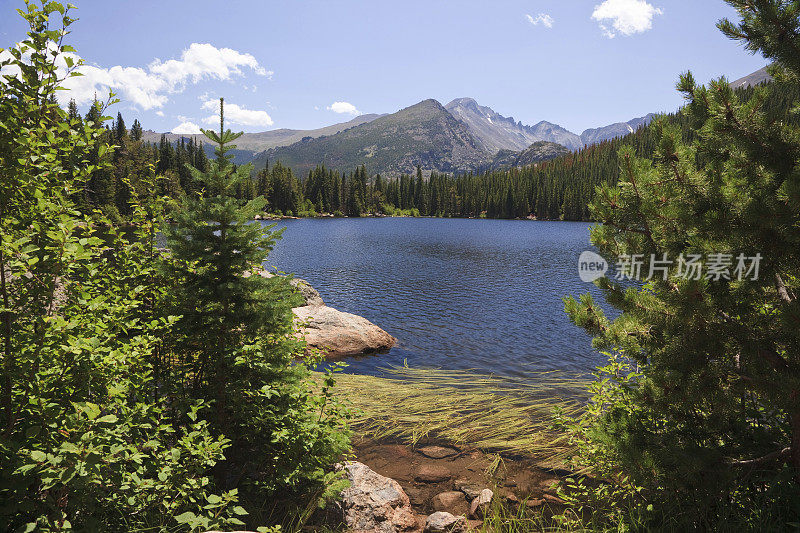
(457, 293)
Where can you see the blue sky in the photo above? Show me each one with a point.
(294, 64)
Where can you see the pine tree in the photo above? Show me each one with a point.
(120, 131)
(136, 130)
(72, 110)
(717, 409)
(236, 326)
(223, 303)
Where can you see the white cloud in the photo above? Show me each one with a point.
(149, 87)
(187, 128)
(345, 108)
(542, 18)
(160, 113)
(626, 17)
(203, 60)
(235, 114)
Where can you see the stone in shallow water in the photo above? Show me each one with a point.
(471, 490)
(453, 502)
(442, 522)
(432, 474)
(534, 503)
(437, 452)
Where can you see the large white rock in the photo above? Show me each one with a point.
(374, 503)
(335, 332)
(340, 334)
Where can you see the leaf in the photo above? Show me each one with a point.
(108, 419)
(70, 447)
(185, 518)
(92, 411)
(38, 456)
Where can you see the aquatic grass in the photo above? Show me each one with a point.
(512, 416)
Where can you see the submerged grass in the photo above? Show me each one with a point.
(505, 415)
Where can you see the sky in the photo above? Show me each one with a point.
(305, 64)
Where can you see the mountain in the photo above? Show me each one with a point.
(535, 153)
(757, 77)
(494, 132)
(250, 144)
(424, 134)
(548, 131)
(620, 129)
(540, 151)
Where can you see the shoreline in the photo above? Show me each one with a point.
(275, 218)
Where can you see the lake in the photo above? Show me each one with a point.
(457, 293)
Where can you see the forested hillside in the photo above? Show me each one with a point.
(558, 189)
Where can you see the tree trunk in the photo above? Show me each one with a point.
(795, 425)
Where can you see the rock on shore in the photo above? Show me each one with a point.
(335, 332)
(374, 503)
(341, 334)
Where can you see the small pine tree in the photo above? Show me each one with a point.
(136, 130)
(120, 131)
(236, 329)
(216, 241)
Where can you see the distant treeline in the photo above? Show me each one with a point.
(559, 189)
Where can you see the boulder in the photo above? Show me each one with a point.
(374, 503)
(480, 505)
(453, 502)
(437, 452)
(336, 333)
(310, 294)
(442, 522)
(432, 474)
(340, 334)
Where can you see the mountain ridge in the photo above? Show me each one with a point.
(250, 144)
(423, 134)
(495, 132)
(460, 136)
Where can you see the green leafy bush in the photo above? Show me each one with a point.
(99, 428)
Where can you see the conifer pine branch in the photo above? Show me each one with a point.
(631, 176)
